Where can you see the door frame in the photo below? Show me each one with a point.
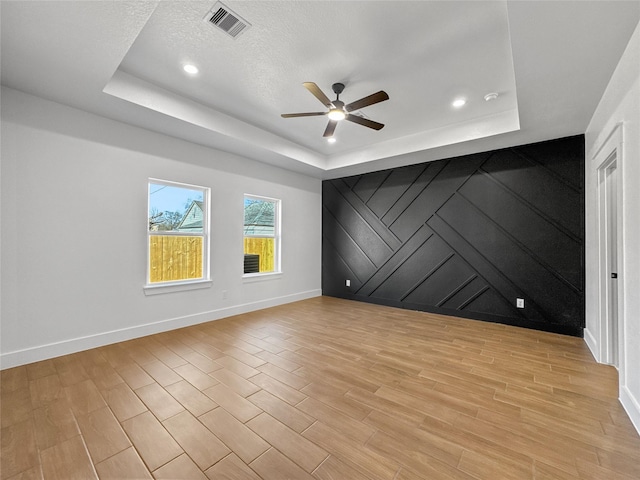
(608, 155)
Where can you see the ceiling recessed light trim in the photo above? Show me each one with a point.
(189, 68)
(490, 96)
(459, 102)
(331, 139)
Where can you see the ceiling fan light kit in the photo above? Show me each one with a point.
(338, 110)
(337, 114)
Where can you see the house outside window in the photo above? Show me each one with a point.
(178, 233)
(261, 235)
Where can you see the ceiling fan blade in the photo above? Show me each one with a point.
(319, 94)
(331, 127)
(377, 97)
(309, 114)
(364, 121)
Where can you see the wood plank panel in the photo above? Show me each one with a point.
(365, 460)
(292, 444)
(134, 376)
(465, 235)
(198, 442)
(14, 379)
(15, 406)
(281, 410)
(19, 449)
(182, 467)
(278, 389)
(54, 423)
(196, 377)
(232, 468)
(233, 403)
(124, 465)
(191, 398)
(45, 390)
(244, 442)
(275, 465)
(151, 440)
(333, 469)
(337, 420)
(84, 397)
(103, 434)
(69, 460)
(124, 403)
(161, 373)
(235, 382)
(161, 403)
(237, 367)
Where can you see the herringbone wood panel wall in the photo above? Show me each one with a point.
(465, 236)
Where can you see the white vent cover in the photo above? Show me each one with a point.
(221, 17)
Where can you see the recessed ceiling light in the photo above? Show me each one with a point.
(331, 140)
(490, 96)
(458, 102)
(192, 69)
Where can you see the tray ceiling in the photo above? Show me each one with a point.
(124, 60)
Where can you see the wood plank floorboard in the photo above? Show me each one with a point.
(322, 389)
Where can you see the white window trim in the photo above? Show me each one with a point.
(258, 277)
(277, 272)
(170, 287)
(189, 284)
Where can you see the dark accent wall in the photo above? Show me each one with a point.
(465, 236)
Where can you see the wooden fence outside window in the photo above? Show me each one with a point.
(265, 247)
(173, 258)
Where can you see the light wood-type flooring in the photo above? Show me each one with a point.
(321, 389)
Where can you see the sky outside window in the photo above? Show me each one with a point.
(167, 198)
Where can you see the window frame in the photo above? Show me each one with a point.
(277, 236)
(191, 283)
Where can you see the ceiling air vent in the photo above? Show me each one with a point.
(220, 16)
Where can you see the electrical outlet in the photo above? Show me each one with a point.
(520, 302)
(348, 283)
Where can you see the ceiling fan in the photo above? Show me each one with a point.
(338, 110)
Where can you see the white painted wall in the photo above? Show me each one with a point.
(73, 238)
(620, 105)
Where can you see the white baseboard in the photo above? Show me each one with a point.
(627, 400)
(592, 343)
(631, 406)
(52, 350)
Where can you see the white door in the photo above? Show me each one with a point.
(609, 245)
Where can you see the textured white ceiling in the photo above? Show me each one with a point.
(423, 54)
(544, 59)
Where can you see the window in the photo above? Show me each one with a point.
(261, 235)
(178, 233)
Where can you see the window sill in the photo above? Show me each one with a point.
(260, 277)
(176, 287)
